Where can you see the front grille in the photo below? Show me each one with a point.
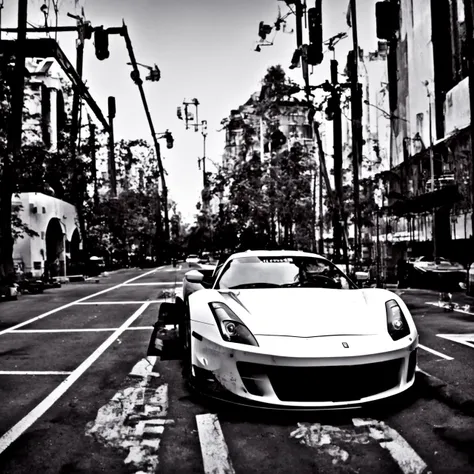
(327, 384)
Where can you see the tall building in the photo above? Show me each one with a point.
(427, 190)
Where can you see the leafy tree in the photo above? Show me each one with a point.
(262, 203)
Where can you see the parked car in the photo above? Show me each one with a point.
(439, 273)
(269, 324)
(29, 284)
(8, 292)
(192, 258)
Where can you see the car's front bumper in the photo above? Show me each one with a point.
(258, 379)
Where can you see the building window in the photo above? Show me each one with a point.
(37, 265)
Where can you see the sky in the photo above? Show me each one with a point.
(205, 50)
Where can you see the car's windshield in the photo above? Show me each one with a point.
(282, 272)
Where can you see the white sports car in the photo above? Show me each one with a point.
(289, 329)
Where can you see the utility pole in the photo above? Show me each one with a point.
(112, 171)
(8, 176)
(337, 140)
(77, 175)
(432, 175)
(321, 221)
(469, 20)
(356, 113)
(92, 131)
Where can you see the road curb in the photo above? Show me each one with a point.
(443, 391)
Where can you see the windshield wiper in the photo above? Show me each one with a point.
(254, 285)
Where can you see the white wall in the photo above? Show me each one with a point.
(28, 249)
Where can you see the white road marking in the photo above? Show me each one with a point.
(46, 331)
(215, 453)
(144, 368)
(33, 372)
(405, 456)
(107, 303)
(68, 305)
(134, 419)
(327, 437)
(17, 430)
(439, 354)
(460, 338)
(159, 283)
(458, 310)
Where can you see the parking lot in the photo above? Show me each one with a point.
(81, 395)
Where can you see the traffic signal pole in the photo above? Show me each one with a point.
(123, 31)
(356, 116)
(112, 169)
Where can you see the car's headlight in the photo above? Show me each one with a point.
(232, 329)
(396, 323)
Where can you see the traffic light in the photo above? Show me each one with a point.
(169, 140)
(295, 60)
(386, 14)
(85, 31)
(101, 43)
(314, 55)
(155, 74)
(135, 75)
(315, 28)
(264, 30)
(278, 139)
(111, 107)
(331, 107)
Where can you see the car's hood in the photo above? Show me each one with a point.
(311, 312)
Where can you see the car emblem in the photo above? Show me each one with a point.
(344, 344)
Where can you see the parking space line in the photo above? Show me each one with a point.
(17, 430)
(159, 283)
(215, 453)
(68, 305)
(439, 354)
(404, 455)
(463, 339)
(52, 331)
(33, 372)
(92, 303)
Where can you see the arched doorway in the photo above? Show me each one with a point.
(54, 265)
(74, 253)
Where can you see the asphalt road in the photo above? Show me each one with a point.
(80, 395)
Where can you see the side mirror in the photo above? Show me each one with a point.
(194, 276)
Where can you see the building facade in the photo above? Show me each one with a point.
(426, 191)
(56, 247)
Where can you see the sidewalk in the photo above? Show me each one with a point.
(84, 278)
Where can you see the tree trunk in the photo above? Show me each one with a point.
(6, 238)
